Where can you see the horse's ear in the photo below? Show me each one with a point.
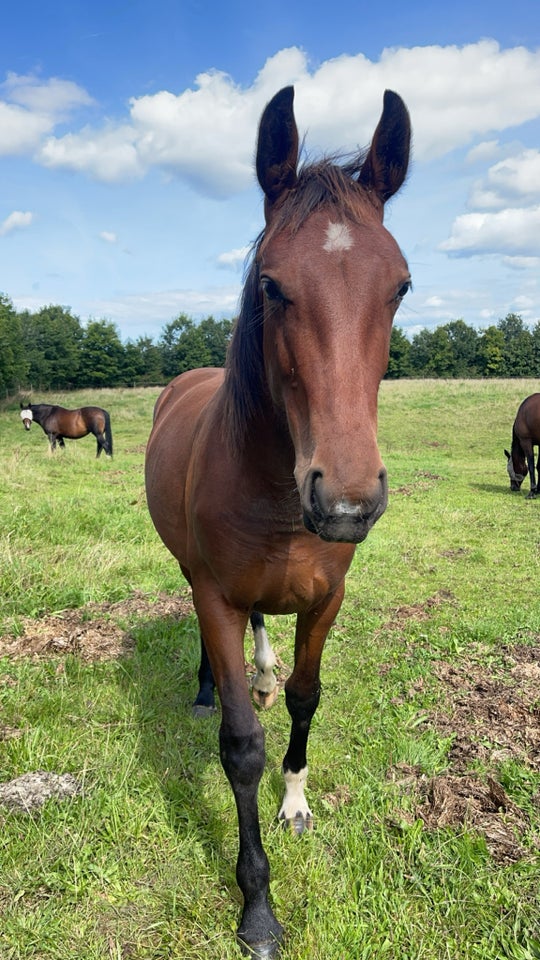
(385, 166)
(507, 455)
(277, 147)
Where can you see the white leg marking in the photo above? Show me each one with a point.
(265, 661)
(294, 802)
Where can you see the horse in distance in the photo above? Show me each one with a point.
(62, 424)
(262, 478)
(525, 436)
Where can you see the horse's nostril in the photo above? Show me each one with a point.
(315, 493)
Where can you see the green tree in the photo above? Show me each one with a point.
(491, 352)
(102, 356)
(52, 338)
(420, 353)
(142, 362)
(186, 345)
(518, 347)
(399, 362)
(535, 341)
(464, 344)
(169, 344)
(13, 363)
(217, 335)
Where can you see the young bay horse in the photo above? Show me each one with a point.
(262, 478)
(61, 424)
(525, 436)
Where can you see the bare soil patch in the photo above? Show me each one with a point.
(492, 715)
(93, 632)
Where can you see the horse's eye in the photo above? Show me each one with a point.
(272, 290)
(403, 290)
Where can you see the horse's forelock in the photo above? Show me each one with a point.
(324, 182)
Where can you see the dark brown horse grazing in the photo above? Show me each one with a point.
(262, 478)
(59, 424)
(525, 436)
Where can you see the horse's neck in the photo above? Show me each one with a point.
(266, 447)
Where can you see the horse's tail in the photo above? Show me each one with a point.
(108, 433)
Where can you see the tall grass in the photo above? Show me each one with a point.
(142, 864)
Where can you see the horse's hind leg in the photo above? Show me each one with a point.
(205, 703)
(264, 687)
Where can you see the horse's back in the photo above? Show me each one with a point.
(177, 417)
(527, 422)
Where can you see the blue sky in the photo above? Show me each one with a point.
(127, 135)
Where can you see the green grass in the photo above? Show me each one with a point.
(142, 865)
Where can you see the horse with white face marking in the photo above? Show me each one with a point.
(261, 479)
(61, 424)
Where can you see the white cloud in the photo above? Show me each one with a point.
(511, 181)
(55, 97)
(513, 232)
(30, 109)
(206, 135)
(108, 236)
(233, 259)
(109, 154)
(15, 221)
(131, 312)
(483, 152)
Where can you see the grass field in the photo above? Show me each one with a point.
(424, 754)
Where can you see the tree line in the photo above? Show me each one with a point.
(50, 349)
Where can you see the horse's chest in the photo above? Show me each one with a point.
(275, 571)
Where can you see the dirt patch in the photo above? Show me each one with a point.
(424, 481)
(93, 632)
(466, 801)
(492, 715)
(417, 611)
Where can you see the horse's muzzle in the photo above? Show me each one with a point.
(340, 520)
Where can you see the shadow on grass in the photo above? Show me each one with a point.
(497, 488)
(179, 749)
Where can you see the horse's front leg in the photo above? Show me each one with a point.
(241, 741)
(530, 464)
(302, 694)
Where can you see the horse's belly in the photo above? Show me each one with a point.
(169, 451)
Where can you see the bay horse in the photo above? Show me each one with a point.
(525, 436)
(59, 424)
(263, 477)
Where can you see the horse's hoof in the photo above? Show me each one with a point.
(532, 495)
(200, 710)
(298, 824)
(260, 951)
(265, 700)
